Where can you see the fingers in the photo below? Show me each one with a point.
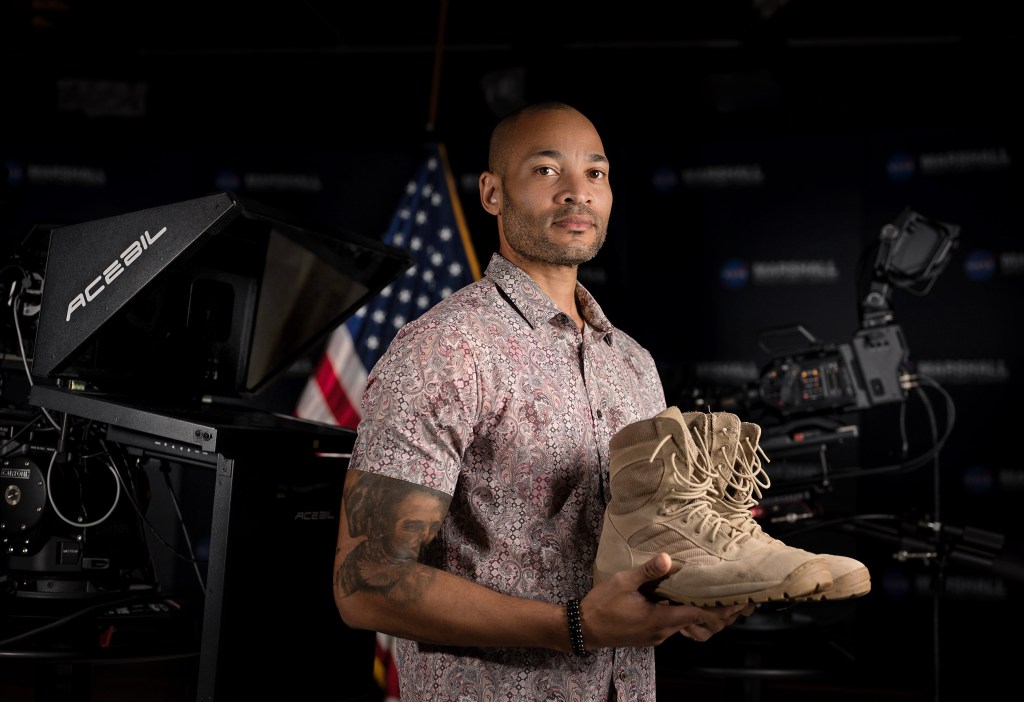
(700, 632)
(733, 612)
(703, 629)
(623, 610)
(709, 621)
(695, 633)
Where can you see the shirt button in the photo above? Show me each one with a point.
(600, 414)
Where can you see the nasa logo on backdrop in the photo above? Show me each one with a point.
(896, 583)
(227, 180)
(980, 265)
(978, 480)
(665, 180)
(901, 167)
(735, 273)
(15, 173)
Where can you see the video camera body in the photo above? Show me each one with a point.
(868, 371)
(872, 369)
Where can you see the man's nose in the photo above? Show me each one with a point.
(576, 190)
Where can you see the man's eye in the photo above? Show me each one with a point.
(597, 175)
(545, 170)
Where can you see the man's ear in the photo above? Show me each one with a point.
(490, 192)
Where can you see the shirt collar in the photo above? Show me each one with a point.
(533, 303)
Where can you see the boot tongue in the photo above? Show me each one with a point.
(723, 436)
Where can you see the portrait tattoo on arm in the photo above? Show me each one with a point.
(396, 520)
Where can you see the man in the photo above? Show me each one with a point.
(476, 491)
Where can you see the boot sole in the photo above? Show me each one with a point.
(806, 580)
(853, 584)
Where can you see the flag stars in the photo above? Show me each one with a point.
(424, 224)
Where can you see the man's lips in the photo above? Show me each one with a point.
(574, 223)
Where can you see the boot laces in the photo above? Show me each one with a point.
(704, 463)
(689, 499)
(744, 484)
(748, 477)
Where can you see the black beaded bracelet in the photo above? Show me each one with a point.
(572, 613)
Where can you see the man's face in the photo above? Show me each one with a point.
(556, 197)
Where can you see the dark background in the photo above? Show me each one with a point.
(742, 134)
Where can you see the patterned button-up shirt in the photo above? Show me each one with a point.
(495, 397)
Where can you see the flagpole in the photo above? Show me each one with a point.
(436, 82)
(460, 217)
(435, 89)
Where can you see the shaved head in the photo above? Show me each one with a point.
(502, 136)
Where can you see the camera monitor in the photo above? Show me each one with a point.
(210, 297)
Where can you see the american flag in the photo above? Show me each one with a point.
(429, 222)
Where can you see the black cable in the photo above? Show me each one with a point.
(184, 531)
(897, 468)
(15, 435)
(68, 619)
(839, 521)
(189, 558)
(13, 302)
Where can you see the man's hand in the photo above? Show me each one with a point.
(617, 613)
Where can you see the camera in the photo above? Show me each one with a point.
(870, 370)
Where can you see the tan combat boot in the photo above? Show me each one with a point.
(738, 478)
(660, 503)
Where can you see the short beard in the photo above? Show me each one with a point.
(519, 233)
